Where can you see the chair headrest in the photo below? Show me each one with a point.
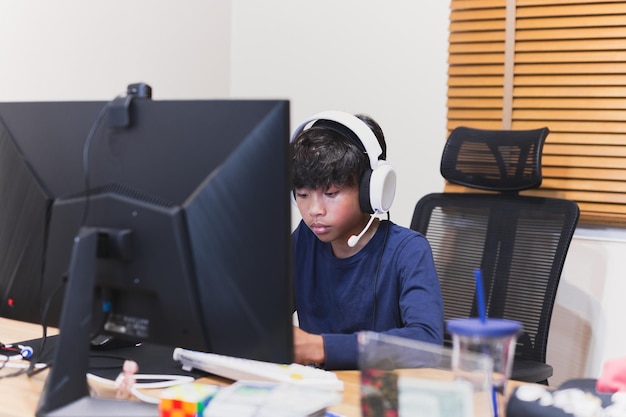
(496, 160)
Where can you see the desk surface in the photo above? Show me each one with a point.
(19, 395)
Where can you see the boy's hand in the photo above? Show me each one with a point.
(308, 348)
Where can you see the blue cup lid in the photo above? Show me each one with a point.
(489, 328)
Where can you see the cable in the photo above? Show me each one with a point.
(32, 370)
(23, 351)
(117, 120)
(86, 148)
(165, 381)
(15, 362)
(380, 260)
(142, 397)
(24, 366)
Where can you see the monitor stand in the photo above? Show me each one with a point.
(66, 392)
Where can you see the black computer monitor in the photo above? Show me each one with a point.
(172, 226)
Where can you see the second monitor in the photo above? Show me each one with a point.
(189, 206)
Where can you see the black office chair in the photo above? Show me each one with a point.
(519, 242)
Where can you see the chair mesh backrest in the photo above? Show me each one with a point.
(501, 160)
(519, 242)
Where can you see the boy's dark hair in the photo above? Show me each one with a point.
(330, 154)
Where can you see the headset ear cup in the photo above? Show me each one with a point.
(382, 185)
(365, 201)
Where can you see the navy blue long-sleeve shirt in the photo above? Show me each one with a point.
(395, 291)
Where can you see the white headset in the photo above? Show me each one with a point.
(377, 187)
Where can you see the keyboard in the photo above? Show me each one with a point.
(240, 369)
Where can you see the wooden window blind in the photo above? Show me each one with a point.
(525, 64)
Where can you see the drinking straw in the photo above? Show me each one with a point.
(480, 295)
(480, 300)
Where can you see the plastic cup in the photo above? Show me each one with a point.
(495, 338)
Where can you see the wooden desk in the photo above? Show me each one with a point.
(19, 396)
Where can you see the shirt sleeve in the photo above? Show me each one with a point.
(341, 351)
(420, 298)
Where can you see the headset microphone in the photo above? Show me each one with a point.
(354, 239)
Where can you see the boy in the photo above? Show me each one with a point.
(353, 271)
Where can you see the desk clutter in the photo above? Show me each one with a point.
(262, 389)
(153, 375)
(246, 399)
(397, 378)
(577, 398)
(586, 397)
(187, 400)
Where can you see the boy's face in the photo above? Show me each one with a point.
(333, 214)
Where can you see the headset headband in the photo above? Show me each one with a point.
(359, 127)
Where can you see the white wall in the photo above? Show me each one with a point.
(387, 59)
(83, 50)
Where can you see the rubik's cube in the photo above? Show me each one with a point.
(186, 400)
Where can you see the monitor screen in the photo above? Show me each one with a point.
(189, 203)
